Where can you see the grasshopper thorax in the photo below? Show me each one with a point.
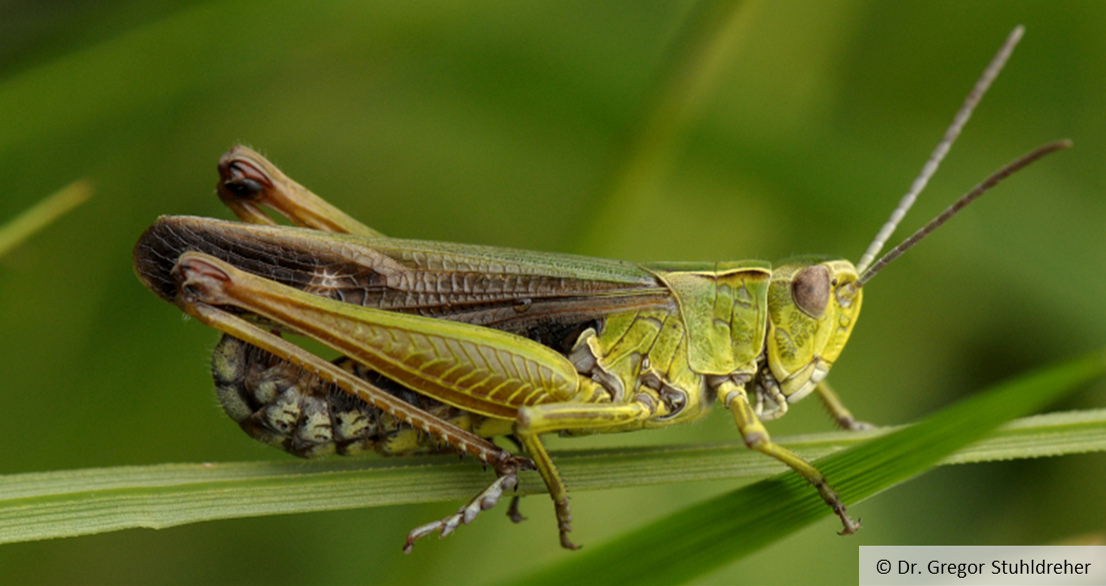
(813, 304)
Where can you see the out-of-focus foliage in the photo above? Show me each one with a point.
(499, 123)
(42, 214)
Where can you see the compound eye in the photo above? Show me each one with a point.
(810, 289)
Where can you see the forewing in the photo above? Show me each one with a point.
(507, 289)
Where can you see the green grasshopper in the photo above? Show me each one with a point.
(445, 346)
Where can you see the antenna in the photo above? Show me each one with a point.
(942, 149)
(960, 204)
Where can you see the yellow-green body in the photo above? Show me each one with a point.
(447, 344)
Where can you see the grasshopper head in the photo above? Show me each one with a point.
(812, 308)
(813, 303)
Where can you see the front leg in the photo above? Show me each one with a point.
(837, 409)
(757, 438)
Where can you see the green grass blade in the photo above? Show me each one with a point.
(42, 214)
(80, 502)
(703, 537)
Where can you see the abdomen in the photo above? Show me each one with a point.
(283, 405)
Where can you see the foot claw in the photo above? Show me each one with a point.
(513, 513)
(566, 543)
(420, 531)
(850, 526)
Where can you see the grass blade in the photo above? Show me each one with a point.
(42, 214)
(79, 502)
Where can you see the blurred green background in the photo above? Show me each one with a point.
(505, 123)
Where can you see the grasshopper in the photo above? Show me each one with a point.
(446, 346)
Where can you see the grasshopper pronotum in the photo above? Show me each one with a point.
(448, 345)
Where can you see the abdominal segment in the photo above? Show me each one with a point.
(283, 405)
